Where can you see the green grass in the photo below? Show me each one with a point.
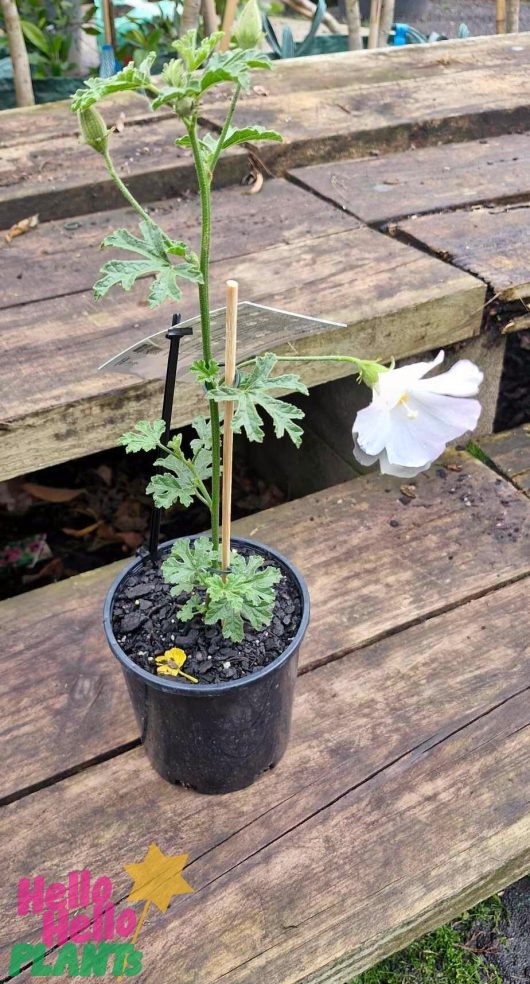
(450, 955)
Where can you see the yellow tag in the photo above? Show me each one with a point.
(171, 662)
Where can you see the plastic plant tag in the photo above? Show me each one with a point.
(260, 329)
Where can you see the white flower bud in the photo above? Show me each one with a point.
(248, 29)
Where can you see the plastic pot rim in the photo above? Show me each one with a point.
(205, 689)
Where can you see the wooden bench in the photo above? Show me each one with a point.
(402, 798)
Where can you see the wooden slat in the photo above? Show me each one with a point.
(465, 534)
(395, 300)
(401, 800)
(510, 453)
(429, 179)
(336, 124)
(379, 102)
(63, 257)
(62, 177)
(493, 243)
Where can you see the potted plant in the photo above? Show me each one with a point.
(208, 634)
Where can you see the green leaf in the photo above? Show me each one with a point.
(253, 394)
(204, 435)
(167, 489)
(35, 36)
(249, 134)
(233, 66)
(144, 437)
(193, 54)
(188, 564)
(156, 247)
(205, 372)
(246, 594)
(121, 272)
(131, 77)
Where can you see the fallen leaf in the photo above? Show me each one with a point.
(54, 570)
(48, 493)
(409, 491)
(260, 90)
(454, 466)
(79, 534)
(254, 184)
(105, 473)
(19, 228)
(119, 126)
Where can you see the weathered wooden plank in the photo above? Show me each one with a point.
(425, 180)
(343, 120)
(63, 257)
(493, 243)
(49, 121)
(465, 534)
(357, 841)
(510, 453)
(60, 178)
(355, 121)
(395, 301)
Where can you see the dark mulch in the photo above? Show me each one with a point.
(511, 955)
(146, 624)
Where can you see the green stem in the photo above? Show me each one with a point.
(317, 358)
(224, 131)
(204, 305)
(124, 189)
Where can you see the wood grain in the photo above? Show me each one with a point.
(358, 840)
(509, 452)
(428, 179)
(34, 265)
(465, 533)
(493, 243)
(395, 301)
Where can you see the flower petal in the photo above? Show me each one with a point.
(413, 442)
(364, 459)
(370, 427)
(401, 471)
(454, 415)
(391, 385)
(462, 379)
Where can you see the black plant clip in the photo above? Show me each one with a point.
(174, 334)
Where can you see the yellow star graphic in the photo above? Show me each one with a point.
(158, 877)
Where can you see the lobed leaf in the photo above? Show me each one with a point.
(145, 436)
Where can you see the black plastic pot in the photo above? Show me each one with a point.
(214, 737)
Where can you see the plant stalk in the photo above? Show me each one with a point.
(204, 306)
(124, 189)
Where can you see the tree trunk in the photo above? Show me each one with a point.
(211, 22)
(353, 19)
(512, 16)
(387, 19)
(375, 19)
(19, 55)
(190, 15)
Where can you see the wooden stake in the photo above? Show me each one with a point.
(501, 17)
(375, 17)
(228, 437)
(19, 55)
(228, 23)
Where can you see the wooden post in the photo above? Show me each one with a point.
(211, 22)
(501, 17)
(375, 17)
(353, 19)
(228, 437)
(512, 16)
(228, 23)
(387, 19)
(19, 55)
(190, 16)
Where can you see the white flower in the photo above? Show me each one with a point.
(411, 419)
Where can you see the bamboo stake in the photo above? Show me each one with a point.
(228, 436)
(387, 19)
(375, 17)
(501, 17)
(19, 55)
(228, 23)
(353, 20)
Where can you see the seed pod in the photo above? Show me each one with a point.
(93, 129)
(248, 29)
